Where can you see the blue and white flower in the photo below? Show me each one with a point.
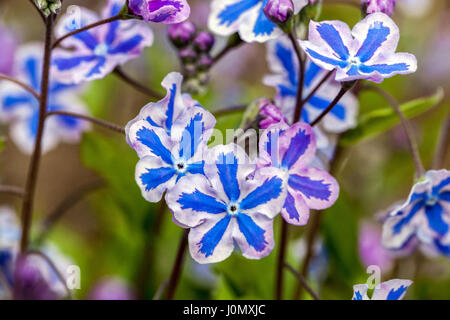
(425, 215)
(96, 52)
(246, 17)
(292, 149)
(225, 206)
(283, 64)
(21, 108)
(170, 138)
(366, 52)
(389, 290)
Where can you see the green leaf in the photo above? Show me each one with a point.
(381, 120)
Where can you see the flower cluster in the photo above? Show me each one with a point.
(96, 52)
(163, 11)
(372, 6)
(424, 217)
(20, 108)
(246, 17)
(390, 290)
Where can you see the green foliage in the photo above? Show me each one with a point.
(381, 120)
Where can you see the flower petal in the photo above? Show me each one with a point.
(295, 211)
(391, 290)
(360, 292)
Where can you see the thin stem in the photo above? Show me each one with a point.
(228, 110)
(160, 290)
(233, 42)
(301, 76)
(139, 87)
(30, 187)
(100, 122)
(54, 268)
(21, 84)
(442, 145)
(333, 103)
(176, 269)
(90, 26)
(317, 87)
(64, 206)
(12, 190)
(281, 258)
(311, 238)
(303, 281)
(420, 170)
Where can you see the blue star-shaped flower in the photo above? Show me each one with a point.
(21, 108)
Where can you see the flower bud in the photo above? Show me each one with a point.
(372, 6)
(204, 62)
(160, 11)
(181, 34)
(204, 41)
(48, 6)
(187, 55)
(269, 114)
(279, 11)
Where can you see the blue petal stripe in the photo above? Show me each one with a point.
(65, 121)
(192, 136)
(88, 39)
(155, 177)
(232, 12)
(97, 68)
(127, 45)
(150, 139)
(72, 62)
(212, 238)
(395, 294)
(334, 62)
(399, 226)
(289, 205)
(33, 123)
(263, 25)
(285, 56)
(445, 196)
(200, 202)
(171, 107)
(376, 35)
(33, 71)
(384, 68)
(338, 110)
(297, 147)
(227, 166)
(435, 220)
(10, 102)
(333, 38)
(311, 73)
(441, 185)
(444, 249)
(269, 190)
(310, 188)
(252, 232)
(286, 91)
(358, 296)
(196, 167)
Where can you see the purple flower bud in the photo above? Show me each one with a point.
(279, 11)
(29, 281)
(181, 34)
(372, 6)
(204, 62)
(204, 41)
(9, 45)
(270, 114)
(112, 288)
(164, 11)
(187, 55)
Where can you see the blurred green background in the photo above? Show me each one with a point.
(109, 231)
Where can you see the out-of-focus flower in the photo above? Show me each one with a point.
(163, 11)
(389, 290)
(225, 206)
(283, 63)
(371, 249)
(28, 276)
(112, 288)
(96, 52)
(366, 52)
(372, 6)
(170, 138)
(279, 11)
(246, 17)
(204, 41)
(415, 8)
(425, 215)
(292, 149)
(21, 108)
(181, 34)
(9, 46)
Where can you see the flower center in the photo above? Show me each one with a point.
(233, 209)
(431, 200)
(101, 50)
(180, 167)
(354, 61)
